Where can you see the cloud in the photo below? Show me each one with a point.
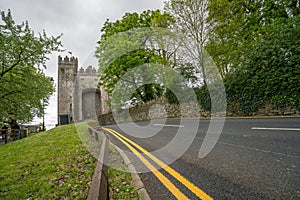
(79, 21)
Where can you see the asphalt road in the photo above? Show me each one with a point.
(253, 158)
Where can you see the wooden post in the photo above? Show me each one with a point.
(96, 135)
(13, 131)
(5, 134)
(26, 132)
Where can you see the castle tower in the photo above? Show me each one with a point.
(67, 72)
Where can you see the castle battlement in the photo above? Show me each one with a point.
(67, 61)
(89, 71)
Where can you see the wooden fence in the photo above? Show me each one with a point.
(9, 135)
(99, 188)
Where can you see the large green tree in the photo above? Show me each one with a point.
(256, 46)
(24, 89)
(239, 25)
(128, 43)
(236, 25)
(191, 19)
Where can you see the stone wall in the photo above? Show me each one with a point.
(160, 109)
(268, 110)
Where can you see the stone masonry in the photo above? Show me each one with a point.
(79, 96)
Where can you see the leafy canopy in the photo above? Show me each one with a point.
(256, 46)
(126, 44)
(24, 89)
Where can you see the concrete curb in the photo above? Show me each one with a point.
(139, 185)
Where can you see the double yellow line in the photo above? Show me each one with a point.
(163, 179)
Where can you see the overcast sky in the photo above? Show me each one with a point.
(79, 21)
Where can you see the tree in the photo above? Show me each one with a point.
(238, 25)
(191, 19)
(124, 45)
(24, 89)
(256, 46)
(234, 30)
(274, 64)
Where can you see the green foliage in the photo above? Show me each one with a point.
(171, 97)
(134, 20)
(242, 98)
(274, 64)
(235, 27)
(24, 90)
(124, 45)
(148, 92)
(256, 47)
(203, 97)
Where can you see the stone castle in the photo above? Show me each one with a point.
(79, 96)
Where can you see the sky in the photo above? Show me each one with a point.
(79, 21)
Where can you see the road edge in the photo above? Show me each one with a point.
(236, 117)
(139, 185)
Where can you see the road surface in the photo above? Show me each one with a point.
(253, 158)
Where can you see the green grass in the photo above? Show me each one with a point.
(57, 165)
(48, 165)
(120, 181)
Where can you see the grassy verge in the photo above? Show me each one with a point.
(120, 181)
(48, 165)
(56, 165)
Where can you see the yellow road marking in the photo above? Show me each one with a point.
(171, 187)
(193, 188)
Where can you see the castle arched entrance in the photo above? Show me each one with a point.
(91, 103)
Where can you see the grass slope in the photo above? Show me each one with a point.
(120, 180)
(48, 165)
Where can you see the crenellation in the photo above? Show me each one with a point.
(81, 70)
(89, 71)
(94, 71)
(68, 61)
